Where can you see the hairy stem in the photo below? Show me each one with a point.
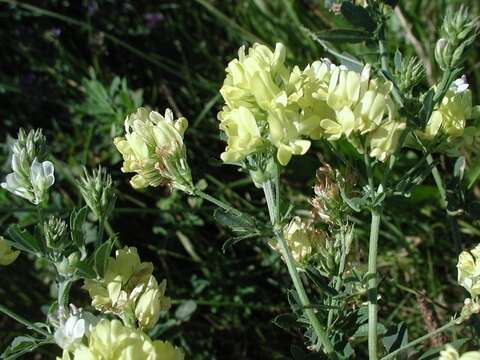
(419, 340)
(271, 197)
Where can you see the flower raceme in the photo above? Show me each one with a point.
(128, 288)
(267, 103)
(153, 149)
(110, 340)
(260, 107)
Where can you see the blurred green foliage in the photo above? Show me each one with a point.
(76, 68)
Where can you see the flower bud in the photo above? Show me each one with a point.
(153, 149)
(55, 231)
(459, 31)
(7, 255)
(98, 192)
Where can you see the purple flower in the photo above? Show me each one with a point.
(153, 18)
(56, 32)
(92, 7)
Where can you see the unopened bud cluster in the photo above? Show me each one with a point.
(458, 32)
(98, 192)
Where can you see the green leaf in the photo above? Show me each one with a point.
(344, 35)
(427, 108)
(101, 256)
(77, 220)
(358, 16)
(286, 321)
(22, 345)
(320, 281)
(433, 353)
(24, 240)
(395, 338)
(85, 269)
(459, 168)
(397, 60)
(362, 331)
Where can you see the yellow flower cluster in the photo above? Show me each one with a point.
(265, 102)
(259, 93)
(110, 340)
(469, 271)
(7, 255)
(128, 287)
(153, 149)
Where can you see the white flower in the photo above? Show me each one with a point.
(71, 332)
(32, 187)
(450, 353)
(460, 85)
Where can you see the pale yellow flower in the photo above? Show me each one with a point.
(110, 340)
(384, 139)
(450, 117)
(153, 149)
(242, 133)
(7, 255)
(361, 103)
(469, 271)
(125, 281)
(151, 303)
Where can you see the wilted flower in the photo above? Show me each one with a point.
(7, 255)
(98, 192)
(151, 303)
(450, 353)
(153, 148)
(469, 271)
(450, 117)
(30, 178)
(72, 330)
(327, 202)
(110, 340)
(261, 91)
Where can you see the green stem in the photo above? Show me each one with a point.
(419, 340)
(439, 182)
(452, 220)
(297, 282)
(219, 203)
(372, 285)
(23, 321)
